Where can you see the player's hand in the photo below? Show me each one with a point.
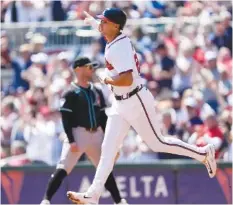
(87, 15)
(90, 20)
(73, 147)
(101, 75)
(107, 80)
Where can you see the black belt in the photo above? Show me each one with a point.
(130, 94)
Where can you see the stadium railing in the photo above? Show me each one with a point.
(75, 33)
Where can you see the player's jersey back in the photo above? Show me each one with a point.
(121, 57)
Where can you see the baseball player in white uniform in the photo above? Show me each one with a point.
(133, 106)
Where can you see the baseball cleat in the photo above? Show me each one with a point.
(80, 198)
(210, 161)
(123, 201)
(45, 202)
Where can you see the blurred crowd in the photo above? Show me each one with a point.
(61, 10)
(187, 67)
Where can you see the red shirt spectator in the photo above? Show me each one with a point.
(199, 56)
(210, 133)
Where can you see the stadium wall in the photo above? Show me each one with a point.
(167, 182)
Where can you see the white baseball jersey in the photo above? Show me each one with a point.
(121, 57)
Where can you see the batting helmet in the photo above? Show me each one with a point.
(114, 15)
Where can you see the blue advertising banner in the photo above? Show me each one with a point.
(139, 185)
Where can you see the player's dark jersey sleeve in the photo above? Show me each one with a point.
(67, 113)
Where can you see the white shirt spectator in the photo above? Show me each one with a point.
(26, 12)
(6, 124)
(40, 141)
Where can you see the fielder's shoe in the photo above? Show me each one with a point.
(45, 202)
(210, 161)
(123, 201)
(81, 198)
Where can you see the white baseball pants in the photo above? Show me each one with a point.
(138, 112)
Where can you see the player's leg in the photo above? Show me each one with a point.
(93, 152)
(67, 161)
(148, 128)
(116, 130)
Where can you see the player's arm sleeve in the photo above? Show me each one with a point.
(67, 115)
(122, 58)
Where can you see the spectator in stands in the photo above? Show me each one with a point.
(155, 9)
(64, 60)
(187, 67)
(210, 133)
(58, 13)
(21, 64)
(129, 148)
(21, 11)
(18, 148)
(167, 70)
(94, 52)
(179, 114)
(141, 41)
(128, 7)
(224, 61)
(210, 75)
(5, 51)
(193, 116)
(8, 118)
(25, 115)
(39, 135)
(191, 106)
(38, 42)
(221, 37)
(55, 119)
(169, 126)
(37, 97)
(36, 72)
(202, 107)
(170, 40)
(226, 21)
(225, 83)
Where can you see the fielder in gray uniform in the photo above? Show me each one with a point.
(84, 120)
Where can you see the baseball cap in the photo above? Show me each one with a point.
(175, 95)
(25, 48)
(40, 58)
(190, 102)
(114, 15)
(84, 61)
(210, 55)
